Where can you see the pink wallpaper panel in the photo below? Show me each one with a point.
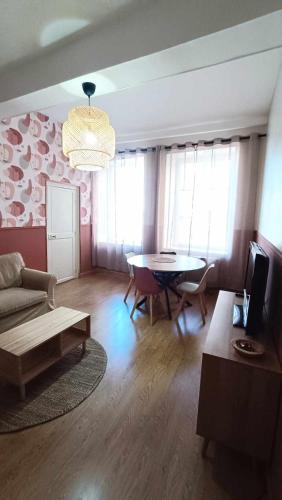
(31, 154)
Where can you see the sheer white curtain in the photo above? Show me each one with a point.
(206, 204)
(124, 198)
(198, 189)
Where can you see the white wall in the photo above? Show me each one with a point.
(261, 163)
(270, 209)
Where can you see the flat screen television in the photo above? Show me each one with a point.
(249, 315)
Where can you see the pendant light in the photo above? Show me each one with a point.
(88, 138)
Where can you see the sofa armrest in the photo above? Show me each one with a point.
(39, 280)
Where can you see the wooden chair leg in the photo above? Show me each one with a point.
(181, 305)
(128, 289)
(147, 305)
(151, 310)
(202, 308)
(204, 303)
(135, 303)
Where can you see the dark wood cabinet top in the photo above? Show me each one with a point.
(222, 332)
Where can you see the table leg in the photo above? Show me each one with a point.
(205, 447)
(83, 348)
(88, 326)
(141, 302)
(22, 392)
(167, 303)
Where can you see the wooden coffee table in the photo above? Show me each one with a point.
(29, 349)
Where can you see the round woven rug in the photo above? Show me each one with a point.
(55, 392)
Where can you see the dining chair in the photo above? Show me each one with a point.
(146, 286)
(131, 274)
(196, 273)
(188, 288)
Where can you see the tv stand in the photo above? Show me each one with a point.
(239, 396)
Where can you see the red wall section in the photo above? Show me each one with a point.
(85, 249)
(274, 291)
(273, 302)
(29, 241)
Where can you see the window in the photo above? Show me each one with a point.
(120, 203)
(199, 200)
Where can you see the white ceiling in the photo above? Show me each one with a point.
(113, 32)
(221, 81)
(29, 26)
(230, 95)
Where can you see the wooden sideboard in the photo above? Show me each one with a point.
(239, 396)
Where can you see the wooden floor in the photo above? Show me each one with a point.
(134, 437)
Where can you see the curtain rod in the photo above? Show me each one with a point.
(181, 146)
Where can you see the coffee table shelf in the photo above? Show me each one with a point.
(31, 348)
(70, 339)
(31, 373)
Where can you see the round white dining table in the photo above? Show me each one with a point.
(167, 263)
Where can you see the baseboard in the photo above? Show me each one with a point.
(86, 273)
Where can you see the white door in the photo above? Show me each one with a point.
(62, 231)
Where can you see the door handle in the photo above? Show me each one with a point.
(51, 236)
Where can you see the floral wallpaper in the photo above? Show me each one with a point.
(31, 154)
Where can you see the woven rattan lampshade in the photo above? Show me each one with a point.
(88, 138)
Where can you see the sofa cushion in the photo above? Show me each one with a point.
(13, 300)
(11, 265)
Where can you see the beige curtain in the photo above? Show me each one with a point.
(232, 271)
(124, 206)
(206, 204)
